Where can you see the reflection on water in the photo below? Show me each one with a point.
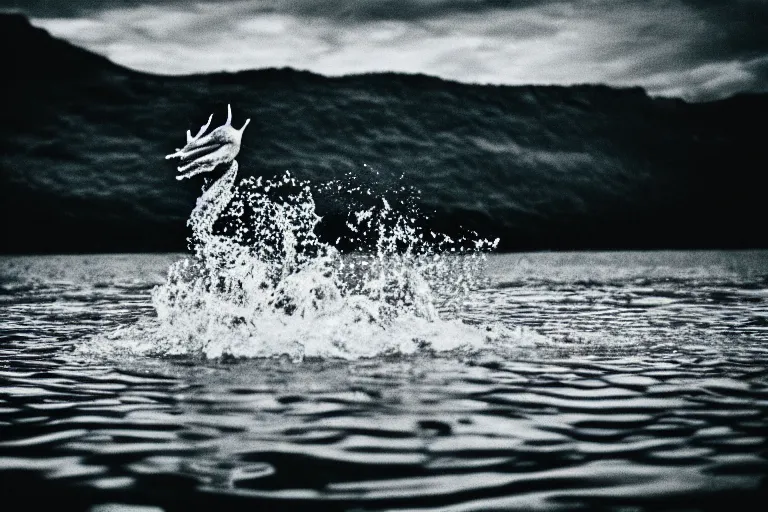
(649, 391)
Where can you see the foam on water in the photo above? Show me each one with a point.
(264, 285)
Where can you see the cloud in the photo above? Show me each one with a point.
(349, 10)
(736, 27)
(697, 49)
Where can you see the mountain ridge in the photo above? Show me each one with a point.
(541, 167)
(61, 57)
(17, 25)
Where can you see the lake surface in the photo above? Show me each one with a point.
(633, 381)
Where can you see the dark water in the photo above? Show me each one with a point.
(647, 391)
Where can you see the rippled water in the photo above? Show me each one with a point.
(638, 381)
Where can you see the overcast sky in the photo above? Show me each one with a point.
(696, 49)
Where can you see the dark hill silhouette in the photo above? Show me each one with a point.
(82, 145)
(31, 53)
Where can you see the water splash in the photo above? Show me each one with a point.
(265, 285)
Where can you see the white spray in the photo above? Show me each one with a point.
(269, 287)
